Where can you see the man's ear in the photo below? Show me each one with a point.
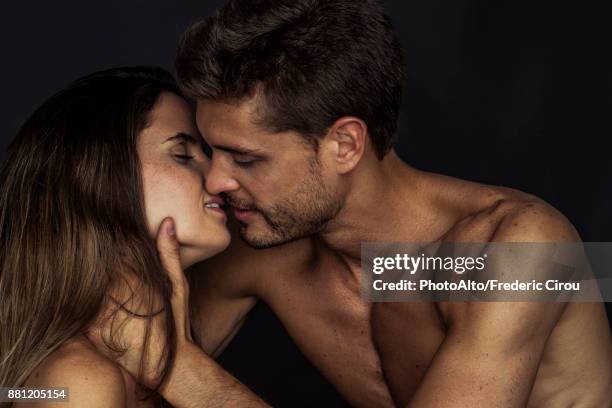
(348, 137)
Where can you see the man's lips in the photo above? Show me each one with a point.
(243, 214)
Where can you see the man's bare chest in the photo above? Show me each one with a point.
(361, 353)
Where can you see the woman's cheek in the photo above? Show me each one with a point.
(162, 199)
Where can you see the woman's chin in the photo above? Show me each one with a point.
(193, 254)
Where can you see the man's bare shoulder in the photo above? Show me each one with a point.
(510, 216)
(520, 219)
(92, 379)
(502, 214)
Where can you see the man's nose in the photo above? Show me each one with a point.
(219, 178)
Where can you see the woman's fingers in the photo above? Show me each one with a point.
(169, 255)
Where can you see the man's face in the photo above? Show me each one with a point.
(279, 187)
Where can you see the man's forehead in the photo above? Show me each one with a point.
(233, 126)
(246, 110)
(218, 117)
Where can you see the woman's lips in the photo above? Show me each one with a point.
(215, 204)
(215, 207)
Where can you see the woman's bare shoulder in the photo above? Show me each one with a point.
(91, 378)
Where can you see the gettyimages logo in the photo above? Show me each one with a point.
(422, 262)
(486, 271)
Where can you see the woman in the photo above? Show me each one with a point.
(89, 179)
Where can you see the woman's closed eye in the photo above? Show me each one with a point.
(183, 157)
(182, 153)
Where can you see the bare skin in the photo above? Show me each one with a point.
(97, 377)
(104, 384)
(172, 176)
(419, 355)
(415, 354)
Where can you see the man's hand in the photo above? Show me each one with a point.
(194, 380)
(129, 328)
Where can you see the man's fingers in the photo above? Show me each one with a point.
(168, 248)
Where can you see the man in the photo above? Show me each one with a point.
(299, 101)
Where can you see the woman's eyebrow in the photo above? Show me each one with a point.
(182, 137)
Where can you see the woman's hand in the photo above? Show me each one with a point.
(130, 332)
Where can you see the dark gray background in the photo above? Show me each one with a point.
(515, 93)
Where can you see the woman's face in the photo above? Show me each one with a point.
(173, 165)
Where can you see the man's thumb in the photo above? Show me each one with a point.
(168, 248)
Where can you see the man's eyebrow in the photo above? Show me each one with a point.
(182, 137)
(236, 149)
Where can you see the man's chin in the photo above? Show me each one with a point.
(256, 240)
(262, 239)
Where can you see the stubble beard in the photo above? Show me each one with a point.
(305, 213)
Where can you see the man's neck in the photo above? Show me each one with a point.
(387, 202)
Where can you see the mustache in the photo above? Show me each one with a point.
(238, 203)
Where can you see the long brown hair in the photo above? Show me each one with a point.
(72, 216)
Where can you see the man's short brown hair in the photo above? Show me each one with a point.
(314, 61)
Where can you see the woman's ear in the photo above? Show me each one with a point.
(348, 137)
